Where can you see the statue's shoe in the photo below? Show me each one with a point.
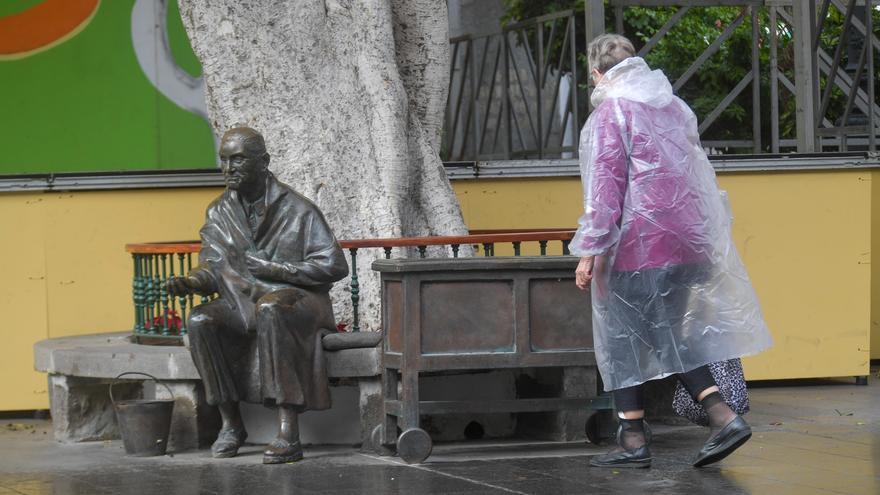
(730, 438)
(636, 458)
(281, 451)
(228, 442)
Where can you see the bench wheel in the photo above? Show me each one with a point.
(414, 445)
(376, 441)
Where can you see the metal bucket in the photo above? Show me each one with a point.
(144, 423)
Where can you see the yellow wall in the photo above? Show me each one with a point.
(806, 241)
(875, 265)
(805, 238)
(64, 270)
(520, 203)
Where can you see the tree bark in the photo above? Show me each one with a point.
(349, 95)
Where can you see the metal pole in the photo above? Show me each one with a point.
(573, 90)
(594, 17)
(756, 84)
(804, 65)
(449, 134)
(508, 142)
(774, 82)
(618, 19)
(355, 292)
(476, 82)
(538, 89)
(814, 35)
(869, 39)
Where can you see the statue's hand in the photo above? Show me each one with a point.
(182, 286)
(260, 267)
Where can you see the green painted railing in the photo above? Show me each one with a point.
(161, 318)
(158, 315)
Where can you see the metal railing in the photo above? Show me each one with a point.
(157, 314)
(850, 72)
(521, 93)
(835, 79)
(160, 317)
(513, 94)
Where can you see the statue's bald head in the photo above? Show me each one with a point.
(246, 139)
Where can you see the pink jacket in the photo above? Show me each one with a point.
(650, 196)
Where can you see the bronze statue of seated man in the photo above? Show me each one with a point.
(270, 255)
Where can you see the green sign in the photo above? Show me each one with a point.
(91, 85)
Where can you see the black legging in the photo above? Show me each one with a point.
(633, 398)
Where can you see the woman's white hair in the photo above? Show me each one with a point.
(607, 50)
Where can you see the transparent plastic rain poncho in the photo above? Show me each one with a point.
(669, 292)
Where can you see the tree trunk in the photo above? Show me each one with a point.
(349, 95)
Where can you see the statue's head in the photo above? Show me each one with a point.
(243, 159)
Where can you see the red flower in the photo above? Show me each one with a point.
(173, 320)
(340, 327)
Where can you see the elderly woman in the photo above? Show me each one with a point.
(669, 292)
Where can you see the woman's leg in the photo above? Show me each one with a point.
(728, 429)
(630, 405)
(632, 436)
(702, 387)
(630, 402)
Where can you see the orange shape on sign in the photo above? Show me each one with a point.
(43, 26)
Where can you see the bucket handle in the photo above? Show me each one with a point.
(112, 401)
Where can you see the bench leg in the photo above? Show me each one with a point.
(414, 444)
(81, 408)
(389, 422)
(370, 405)
(409, 400)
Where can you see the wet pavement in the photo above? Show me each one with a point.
(821, 437)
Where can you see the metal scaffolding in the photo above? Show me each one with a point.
(520, 93)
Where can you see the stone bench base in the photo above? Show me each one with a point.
(81, 369)
(81, 410)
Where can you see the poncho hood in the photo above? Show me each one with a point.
(633, 80)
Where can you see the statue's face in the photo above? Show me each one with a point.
(240, 170)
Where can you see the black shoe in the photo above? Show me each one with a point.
(734, 434)
(228, 442)
(622, 458)
(281, 451)
(638, 458)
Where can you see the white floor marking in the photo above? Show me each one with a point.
(423, 468)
